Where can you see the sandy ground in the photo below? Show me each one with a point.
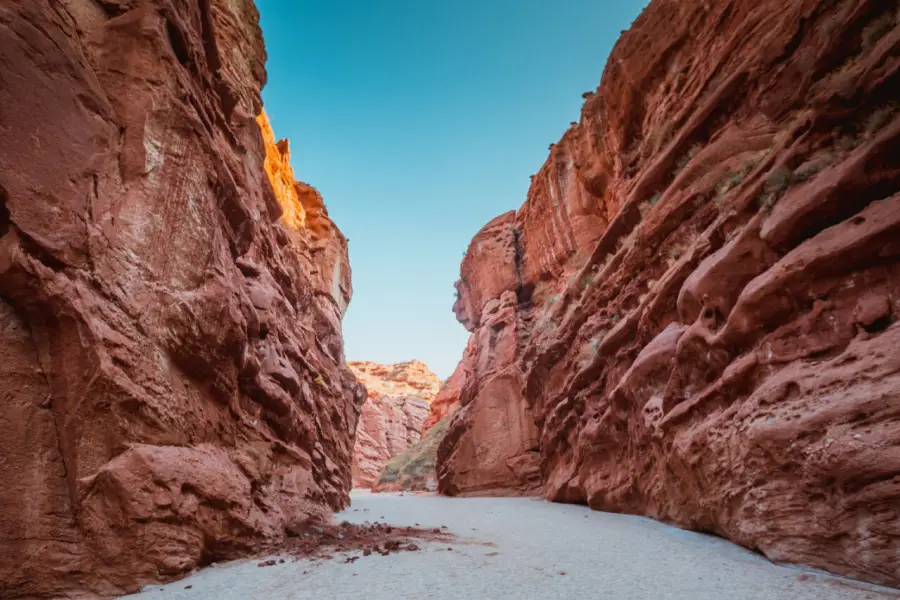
(521, 548)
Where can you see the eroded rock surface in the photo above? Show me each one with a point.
(411, 378)
(447, 399)
(698, 301)
(491, 445)
(414, 468)
(172, 379)
(393, 415)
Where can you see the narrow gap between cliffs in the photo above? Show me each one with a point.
(178, 43)
(5, 220)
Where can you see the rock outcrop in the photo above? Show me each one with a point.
(698, 302)
(405, 379)
(387, 427)
(393, 415)
(491, 446)
(414, 468)
(172, 380)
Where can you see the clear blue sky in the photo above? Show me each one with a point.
(419, 121)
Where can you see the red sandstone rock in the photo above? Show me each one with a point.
(281, 175)
(171, 365)
(705, 296)
(387, 427)
(491, 446)
(447, 399)
(413, 468)
(393, 415)
(412, 378)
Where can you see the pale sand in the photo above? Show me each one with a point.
(520, 548)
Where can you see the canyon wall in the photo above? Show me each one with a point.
(697, 305)
(447, 399)
(393, 415)
(172, 380)
(414, 468)
(491, 445)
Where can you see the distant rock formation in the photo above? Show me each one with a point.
(694, 314)
(172, 380)
(393, 415)
(414, 468)
(411, 378)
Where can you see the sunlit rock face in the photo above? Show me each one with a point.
(696, 306)
(172, 380)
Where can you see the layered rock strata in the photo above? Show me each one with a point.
(697, 304)
(172, 380)
(393, 415)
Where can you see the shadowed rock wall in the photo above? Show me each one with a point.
(172, 380)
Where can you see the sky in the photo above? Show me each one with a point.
(419, 121)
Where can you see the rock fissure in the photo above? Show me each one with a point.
(5, 220)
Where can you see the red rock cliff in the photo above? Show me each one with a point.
(171, 364)
(393, 415)
(698, 301)
(447, 399)
(491, 446)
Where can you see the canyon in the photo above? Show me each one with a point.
(693, 316)
(393, 416)
(413, 467)
(172, 375)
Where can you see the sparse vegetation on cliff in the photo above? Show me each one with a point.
(413, 469)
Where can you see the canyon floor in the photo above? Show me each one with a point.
(522, 548)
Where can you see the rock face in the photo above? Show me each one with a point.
(491, 446)
(393, 415)
(172, 380)
(412, 378)
(447, 399)
(387, 427)
(413, 469)
(698, 301)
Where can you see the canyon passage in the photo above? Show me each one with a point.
(511, 548)
(690, 321)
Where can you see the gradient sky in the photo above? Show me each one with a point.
(419, 121)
